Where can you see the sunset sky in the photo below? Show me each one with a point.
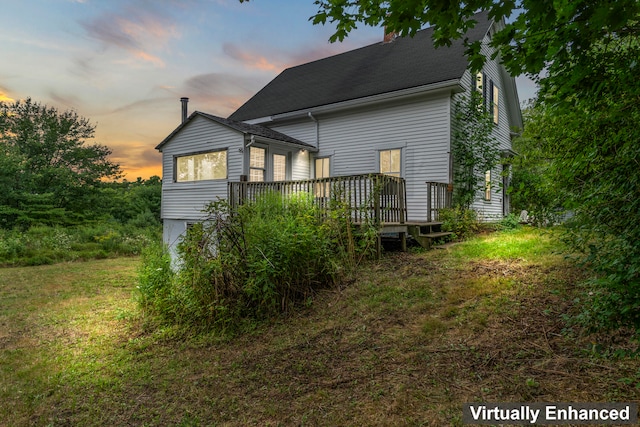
(125, 64)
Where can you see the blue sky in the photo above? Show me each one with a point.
(125, 64)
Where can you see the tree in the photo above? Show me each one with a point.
(532, 188)
(49, 172)
(545, 33)
(586, 122)
(133, 202)
(475, 150)
(592, 140)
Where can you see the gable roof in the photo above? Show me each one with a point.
(405, 63)
(245, 128)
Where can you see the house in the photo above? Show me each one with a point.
(384, 108)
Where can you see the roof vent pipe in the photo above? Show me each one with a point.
(184, 101)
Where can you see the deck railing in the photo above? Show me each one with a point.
(438, 197)
(371, 197)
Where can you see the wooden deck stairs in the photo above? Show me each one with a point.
(426, 234)
(423, 232)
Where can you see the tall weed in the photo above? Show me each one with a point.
(461, 221)
(257, 261)
(49, 244)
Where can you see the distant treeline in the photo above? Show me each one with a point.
(51, 176)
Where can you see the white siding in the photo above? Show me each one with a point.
(172, 232)
(492, 210)
(420, 128)
(303, 130)
(300, 162)
(185, 200)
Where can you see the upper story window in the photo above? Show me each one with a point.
(390, 162)
(201, 166)
(257, 167)
(494, 102)
(479, 81)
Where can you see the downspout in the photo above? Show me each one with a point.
(317, 140)
(317, 130)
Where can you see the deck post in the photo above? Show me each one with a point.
(429, 203)
(403, 241)
(376, 199)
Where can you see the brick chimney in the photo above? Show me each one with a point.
(184, 101)
(389, 36)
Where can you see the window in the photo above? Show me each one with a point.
(256, 164)
(390, 162)
(487, 185)
(279, 167)
(323, 171)
(322, 167)
(479, 83)
(199, 167)
(494, 103)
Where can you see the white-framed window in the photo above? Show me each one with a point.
(279, 167)
(487, 185)
(201, 166)
(322, 170)
(391, 162)
(323, 167)
(494, 102)
(479, 82)
(257, 164)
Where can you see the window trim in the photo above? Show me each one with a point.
(495, 99)
(315, 169)
(287, 166)
(322, 190)
(487, 185)
(198, 153)
(401, 170)
(478, 81)
(263, 169)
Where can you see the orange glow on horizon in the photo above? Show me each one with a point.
(5, 98)
(145, 172)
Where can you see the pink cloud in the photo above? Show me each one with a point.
(250, 59)
(276, 61)
(135, 30)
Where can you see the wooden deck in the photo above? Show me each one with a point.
(371, 198)
(377, 199)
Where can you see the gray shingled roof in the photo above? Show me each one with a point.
(372, 70)
(244, 128)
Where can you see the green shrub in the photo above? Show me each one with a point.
(463, 223)
(509, 222)
(46, 245)
(252, 263)
(155, 280)
(11, 245)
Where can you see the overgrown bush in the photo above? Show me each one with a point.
(509, 222)
(463, 223)
(47, 245)
(254, 262)
(155, 278)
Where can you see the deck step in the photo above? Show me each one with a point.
(437, 235)
(426, 235)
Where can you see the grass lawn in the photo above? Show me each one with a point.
(415, 336)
